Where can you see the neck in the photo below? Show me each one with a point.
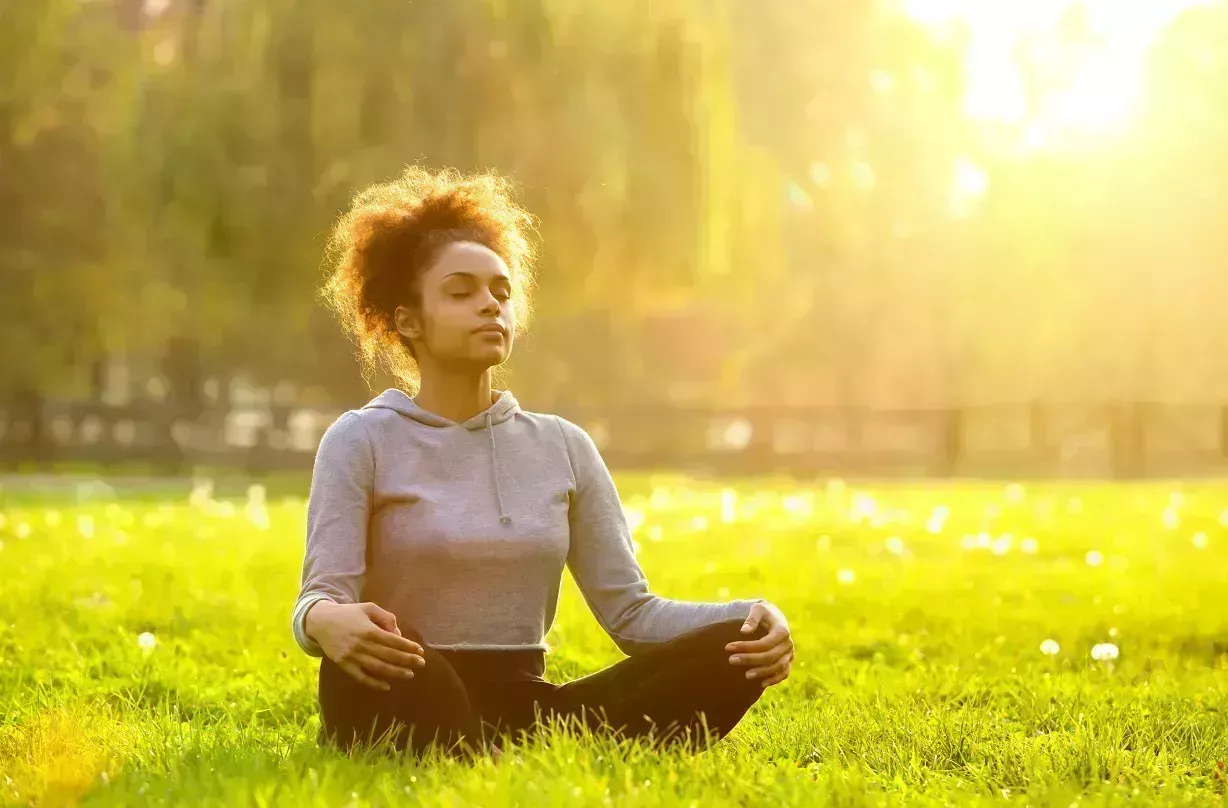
(457, 397)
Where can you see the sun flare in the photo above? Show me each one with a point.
(1051, 68)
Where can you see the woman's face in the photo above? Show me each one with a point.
(467, 319)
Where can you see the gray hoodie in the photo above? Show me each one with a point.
(462, 530)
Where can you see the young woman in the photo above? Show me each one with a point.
(438, 525)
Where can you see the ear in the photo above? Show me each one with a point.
(408, 324)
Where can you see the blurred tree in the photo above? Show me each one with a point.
(780, 201)
(64, 69)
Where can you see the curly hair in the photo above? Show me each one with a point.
(395, 230)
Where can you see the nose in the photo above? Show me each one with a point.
(490, 305)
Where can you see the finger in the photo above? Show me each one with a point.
(394, 656)
(775, 680)
(381, 617)
(360, 675)
(387, 638)
(762, 658)
(768, 671)
(772, 638)
(380, 669)
(752, 620)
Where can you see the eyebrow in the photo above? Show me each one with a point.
(504, 278)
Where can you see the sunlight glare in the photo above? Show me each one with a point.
(1023, 69)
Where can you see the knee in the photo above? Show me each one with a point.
(721, 634)
(730, 631)
(409, 632)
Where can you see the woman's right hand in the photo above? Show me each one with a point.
(364, 641)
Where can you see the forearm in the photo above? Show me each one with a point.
(652, 619)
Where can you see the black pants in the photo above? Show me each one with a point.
(681, 692)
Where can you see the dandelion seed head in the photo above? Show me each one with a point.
(1105, 652)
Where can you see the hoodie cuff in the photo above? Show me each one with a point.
(298, 623)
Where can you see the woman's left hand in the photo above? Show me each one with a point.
(769, 657)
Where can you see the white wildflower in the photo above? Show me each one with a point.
(1104, 652)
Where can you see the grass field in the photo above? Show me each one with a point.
(146, 655)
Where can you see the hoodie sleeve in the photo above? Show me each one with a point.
(338, 510)
(603, 563)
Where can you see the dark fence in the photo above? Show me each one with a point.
(1115, 440)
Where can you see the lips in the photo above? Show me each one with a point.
(492, 328)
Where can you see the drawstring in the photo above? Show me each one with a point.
(494, 469)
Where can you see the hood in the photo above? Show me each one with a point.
(503, 408)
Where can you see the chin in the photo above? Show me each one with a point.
(488, 359)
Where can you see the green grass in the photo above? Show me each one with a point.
(921, 680)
